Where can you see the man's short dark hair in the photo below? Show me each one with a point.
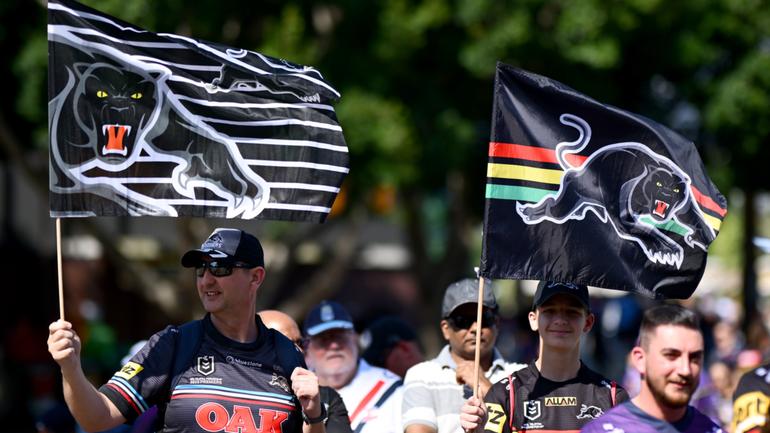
(666, 314)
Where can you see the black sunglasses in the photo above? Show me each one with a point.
(219, 269)
(460, 321)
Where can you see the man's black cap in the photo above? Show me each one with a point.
(382, 335)
(227, 246)
(546, 289)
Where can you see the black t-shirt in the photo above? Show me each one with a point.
(542, 404)
(229, 386)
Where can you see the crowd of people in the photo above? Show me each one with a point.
(242, 371)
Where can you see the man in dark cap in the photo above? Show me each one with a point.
(371, 394)
(434, 390)
(225, 372)
(390, 343)
(556, 392)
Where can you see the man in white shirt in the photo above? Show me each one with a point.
(435, 390)
(372, 395)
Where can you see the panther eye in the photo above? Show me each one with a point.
(101, 94)
(137, 95)
(658, 184)
(676, 189)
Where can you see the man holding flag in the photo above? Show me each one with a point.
(235, 373)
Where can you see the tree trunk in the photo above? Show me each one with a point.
(750, 296)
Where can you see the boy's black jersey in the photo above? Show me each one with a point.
(544, 405)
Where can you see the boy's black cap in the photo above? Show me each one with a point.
(227, 246)
(546, 289)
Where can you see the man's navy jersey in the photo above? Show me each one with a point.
(751, 402)
(229, 386)
(629, 418)
(542, 404)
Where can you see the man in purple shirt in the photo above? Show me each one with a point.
(669, 357)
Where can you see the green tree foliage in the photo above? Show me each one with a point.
(416, 79)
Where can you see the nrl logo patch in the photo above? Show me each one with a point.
(280, 382)
(205, 365)
(532, 410)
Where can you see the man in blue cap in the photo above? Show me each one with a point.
(372, 395)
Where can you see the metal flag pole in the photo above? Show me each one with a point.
(59, 268)
(477, 356)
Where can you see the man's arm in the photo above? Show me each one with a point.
(304, 384)
(418, 412)
(92, 409)
(465, 376)
(338, 421)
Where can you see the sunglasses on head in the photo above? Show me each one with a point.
(219, 269)
(461, 321)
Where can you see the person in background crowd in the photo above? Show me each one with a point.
(390, 343)
(556, 392)
(338, 420)
(372, 395)
(435, 389)
(237, 360)
(728, 343)
(751, 401)
(722, 377)
(669, 358)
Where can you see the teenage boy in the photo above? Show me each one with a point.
(556, 392)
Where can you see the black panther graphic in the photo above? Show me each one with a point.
(110, 108)
(108, 118)
(631, 188)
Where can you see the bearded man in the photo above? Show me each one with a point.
(669, 359)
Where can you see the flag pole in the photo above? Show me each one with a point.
(477, 357)
(59, 268)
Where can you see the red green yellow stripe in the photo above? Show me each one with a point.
(531, 153)
(523, 172)
(518, 193)
(553, 177)
(707, 202)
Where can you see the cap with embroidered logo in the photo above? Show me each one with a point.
(227, 246)
(547, 289)
(325, 316)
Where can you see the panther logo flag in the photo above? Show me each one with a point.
(161, 124)
(579, 191)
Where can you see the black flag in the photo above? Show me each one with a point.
(583, 192)
(160, 124)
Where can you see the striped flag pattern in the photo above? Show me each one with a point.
(162, 124)
(583, 192)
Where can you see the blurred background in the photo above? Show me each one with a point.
(416, 78)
